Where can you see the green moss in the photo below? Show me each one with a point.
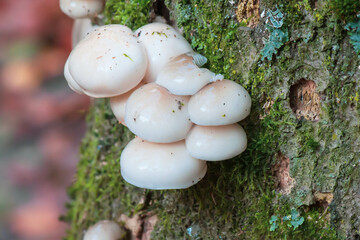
(345, 9)
(132, 13)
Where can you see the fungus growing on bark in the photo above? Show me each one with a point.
(104, 230)
(111, 61)
(216, 143)
(156, 115)
(115, 62)
(82, 8)
(219, 103)
(182, 76)
(160, 165)
(162, 42)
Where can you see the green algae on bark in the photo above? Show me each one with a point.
(238, 198)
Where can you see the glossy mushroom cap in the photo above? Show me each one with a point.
(70, 80)
(81, 28)
(118, 103)
(156, 115)
(219, 103)
(216, 143)
(104, 230)
(82, 8)
(162, 42)
(181, 76)
(108, 62)
(160, 165)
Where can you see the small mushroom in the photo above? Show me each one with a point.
(118, 104)
(82, 8)
(81, 28)
(160, 165)
(156, 115)
(216, 143)
(104, 230)
(108, 62)
(162, 42)
(219, 103)
(181, 76)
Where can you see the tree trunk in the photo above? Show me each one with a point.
(300, 175)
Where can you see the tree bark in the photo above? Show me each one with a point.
(300, 175)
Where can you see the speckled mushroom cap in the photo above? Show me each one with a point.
(104, 230)
(161, 42)
(108, 62)
(70, 80)
(160, 165)
(219, 103)
(216, 143)
(181, 76)
(118, 103)
(82, 8)
(81, 28)
(156, 115)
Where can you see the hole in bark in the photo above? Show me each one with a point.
(304, 100)
(248, 12)
(281, 172)
(323, 199)
(160, 9)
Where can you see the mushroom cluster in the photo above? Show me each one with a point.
(183, 115)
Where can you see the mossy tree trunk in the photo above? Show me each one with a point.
(300, 175)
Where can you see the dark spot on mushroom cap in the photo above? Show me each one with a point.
(139, 34)
(180, 104)
(134, 119)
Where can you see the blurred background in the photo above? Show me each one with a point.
(41, 120)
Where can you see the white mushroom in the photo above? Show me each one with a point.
(108, 62)
(70, 80)
(216, 143)
(181, 76)
(219, 103)
(160, 165)
(156, 115)
(82, 8)
(81, 28)
(118, 104)
(161, 42)
(104, 230)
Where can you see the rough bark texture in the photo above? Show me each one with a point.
(300, 175)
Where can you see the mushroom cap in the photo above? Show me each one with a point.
(82, 8)
(181, 76)
(161, 42)
(81, 28)
(108, 62)
(70, 80)
(118, 103)
(104, 230)
(160, 165)
(156, 115)
(216, 143)
(219, 103)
